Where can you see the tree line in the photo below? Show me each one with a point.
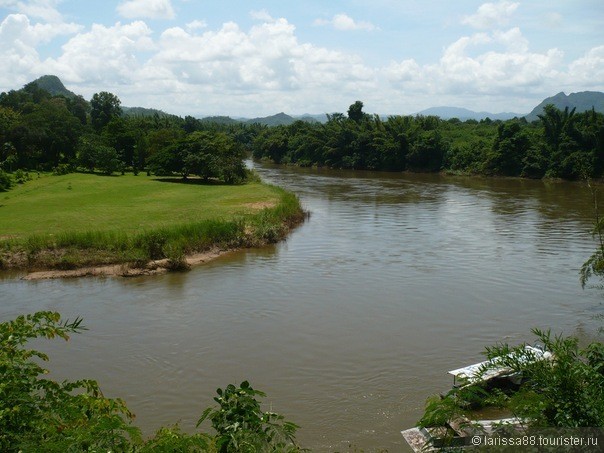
(561, 144)
(41, 132)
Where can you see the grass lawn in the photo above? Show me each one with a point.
(79, 220)
(83, 202)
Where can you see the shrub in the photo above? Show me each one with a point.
(22, 177)
(565, 392)
(5, 181)
(153, 243)
(242, 426)
(39, 414)
(62, 169)
(177, 261)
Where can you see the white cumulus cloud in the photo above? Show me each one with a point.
(263, 68)
(345, 23)
(38, 9)
(18, 55)
(196, 25)
(148, 9)
(19, 39)
(269, 56)
(261, 15)
(589, 69)
(103, 55)
(197, 69)
(491, 15)
(493, 72)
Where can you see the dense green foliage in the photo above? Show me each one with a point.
(566, 391)
(204, 154)
(5, 181)
(560, 144)
(39, 414)
(242, 426)
(43, 132)
(39, 131)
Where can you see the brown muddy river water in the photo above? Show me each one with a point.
(353, 321)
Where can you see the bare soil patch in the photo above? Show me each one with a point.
(124, 270)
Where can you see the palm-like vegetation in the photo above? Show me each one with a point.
(561, 144)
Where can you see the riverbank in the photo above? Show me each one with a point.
(142, 226)
(154, 267)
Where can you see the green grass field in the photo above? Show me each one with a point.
(86, 219)
(82, 202)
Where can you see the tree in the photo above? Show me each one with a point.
(427, 152)
(104, 107)
(272, 143)
(15, 99)
(167, 161)
(509, 148)
(8, 119)
(107, 160)
(78, 108)
(45, 135)
(567, 391)
(94, 153)
(555, 123)
(228, 161)
(121, 134)
(37, 94)
(355, 112)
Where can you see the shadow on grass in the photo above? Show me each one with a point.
(98, 173)
(193, 181)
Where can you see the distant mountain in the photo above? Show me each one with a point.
(54, 86)
(464, 114)
(143, 111)
(280, 119)
(582, 101)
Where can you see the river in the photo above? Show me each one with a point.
(349, 324)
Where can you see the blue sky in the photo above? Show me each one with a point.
(253, 58)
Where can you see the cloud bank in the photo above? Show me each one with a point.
(200, 69)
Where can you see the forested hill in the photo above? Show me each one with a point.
(582, 102)
(54, 86)
(142, 111)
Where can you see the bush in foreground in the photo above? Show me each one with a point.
(38, 414)
(566, 391)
